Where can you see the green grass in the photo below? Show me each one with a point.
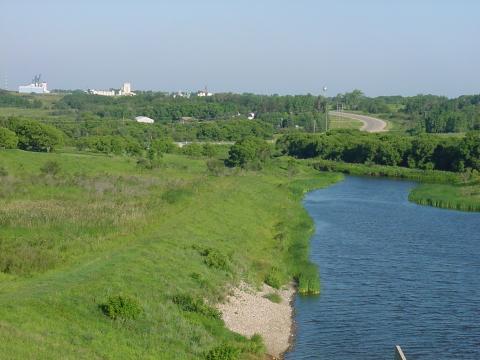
(273, 297)
(339, 122)
(102, 228)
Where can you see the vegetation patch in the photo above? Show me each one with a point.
(224, 352)
(275, 278)
(215, 259)
(189, 303)
(122, 307)
(273, 297)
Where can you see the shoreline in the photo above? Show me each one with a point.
(247, 311)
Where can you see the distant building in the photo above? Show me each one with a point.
(144, 119)
(102, 92)
(126, 90)
(185, 94)
(202, 93)
(37, 87)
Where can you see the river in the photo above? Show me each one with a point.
(392, 273)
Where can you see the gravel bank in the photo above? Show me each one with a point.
(247, 312)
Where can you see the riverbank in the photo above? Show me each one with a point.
(267, 312)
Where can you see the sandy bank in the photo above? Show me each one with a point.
(247, 312)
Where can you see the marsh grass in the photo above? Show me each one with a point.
(455, 197)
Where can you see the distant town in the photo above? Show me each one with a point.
(37, 86)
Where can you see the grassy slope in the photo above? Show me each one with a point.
(144, 248)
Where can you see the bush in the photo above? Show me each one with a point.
(35, 136)
(8, 139)
(190, 304)
(193, 149)
(122, 307)
(223, 352)
(50, 168)
(215, 259)
(248, 153)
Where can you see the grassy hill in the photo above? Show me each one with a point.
(77, 229)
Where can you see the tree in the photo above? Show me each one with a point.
(250, 152)
(470, 150)
(8, 139)
(35, 136)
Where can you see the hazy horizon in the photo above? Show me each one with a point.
(379, 47)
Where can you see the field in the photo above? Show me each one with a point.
(77, 229)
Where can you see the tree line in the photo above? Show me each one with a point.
(425, 113)
(423, 151)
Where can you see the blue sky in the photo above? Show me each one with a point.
(287, 47)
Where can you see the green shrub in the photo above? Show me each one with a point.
(51, 167)
(215, 259)
(223, 352)
(35, 136)
(196, 305)
(8, 139)
(122, 307)
(193, 150)
(249, 153)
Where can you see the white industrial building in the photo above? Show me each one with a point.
(203, 93)
(37, 87)
(126, 90)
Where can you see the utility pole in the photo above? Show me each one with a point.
(326, 108)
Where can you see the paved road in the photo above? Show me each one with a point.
(370, 124)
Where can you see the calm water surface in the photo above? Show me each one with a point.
(392, 273)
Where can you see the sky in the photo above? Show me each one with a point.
(384, 47)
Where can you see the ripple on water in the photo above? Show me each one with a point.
(392, 273)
